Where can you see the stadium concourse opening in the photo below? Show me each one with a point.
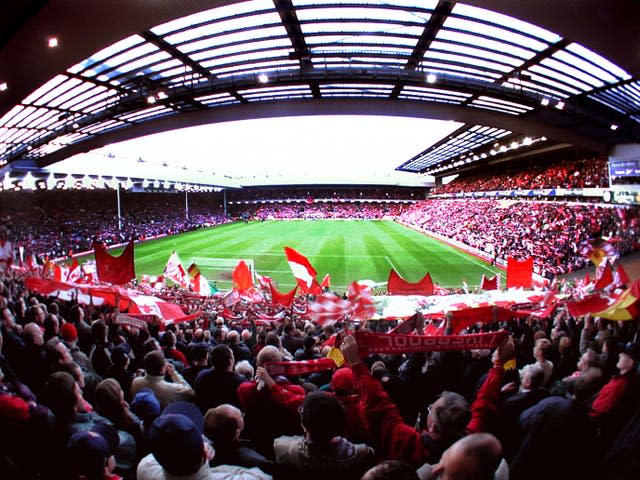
(283, 239)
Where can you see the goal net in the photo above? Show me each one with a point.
(219, 270)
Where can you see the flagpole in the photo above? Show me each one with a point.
(118, 197)
(186, 202)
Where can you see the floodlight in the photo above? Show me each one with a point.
(3, 86)
(52, 42)
(614, 127)
(263, 78)
(431, 78)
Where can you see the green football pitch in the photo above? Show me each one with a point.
(346, 249)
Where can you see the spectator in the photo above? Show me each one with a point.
(166, 392)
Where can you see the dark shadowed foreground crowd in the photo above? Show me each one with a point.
(85, 396)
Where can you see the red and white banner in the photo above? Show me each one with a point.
(174, 271)
(328, 309)
(301, 367)
(114, 270)
(370, 342)
(303, 272)
(396, 285)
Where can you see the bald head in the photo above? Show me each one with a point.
(268, 354)
(33, 334)
(474, 457)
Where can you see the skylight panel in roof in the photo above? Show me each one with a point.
(222, 26)
(257, 68)
(59, 90)
(103, 127)
(505, 20)
(548, 74)
(161, 112)
(573, 72)
(451, 57)
(280, 95)
(10, 114)
(97, 101)
(117, 47)
(505, 103)
(596, 59)
(73, 92)
(19, 116)
(213, 14)
(477, 52)
(273, 89)
(494, 32)
(212, 43)
(217, 99)
(388, 14)
(379, 41)
(520, 85)
(352, 29)
(486, 43)
(50, 85)
(497, 107)
(135, 56)
(459, 71)
(266, 44)
(246, 57)
(585, 66)
(131, 115)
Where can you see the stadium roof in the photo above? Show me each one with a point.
(75, 76)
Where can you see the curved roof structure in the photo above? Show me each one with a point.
(515, 73)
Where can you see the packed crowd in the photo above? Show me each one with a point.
(83, 396)
(534, 174)
(551, 233)
(288, 211)
(55, 224)
(337, 193)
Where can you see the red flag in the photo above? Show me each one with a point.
(303, 272)
(75, 272)
(362, 306)
(114, 270)
(519, 273)
(604, 277)
(621, 277)
(328, 309)
(241, 276)
(489, 283)
(284, 299)
(174, 271)
(396, 285)
(326, 281)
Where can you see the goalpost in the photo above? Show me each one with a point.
(220, 269)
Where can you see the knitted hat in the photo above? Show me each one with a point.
(69, 333)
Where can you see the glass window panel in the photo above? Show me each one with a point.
(317, 41)
(273, 89)
(494, 32)
(59, 90)
(71, 104)
(97, 100)
(171, 63)
(143, 61)
(20, 115)
(405, 52)
(120, 46)
(570, 71)
(50, 85)
(258, 66)
(351, 29)
(236, 37)
(430, 4)
(213, 14)
(83, 87)
(484, 42)
(586, 66)
(222, 26)
(127, 116)
(558, 76)
(247, 57)
(505, 20)
(496, 108)
(430, 55)
(489, 55)
(505, 102)
(598, 60)
(460, 71)
(10, 114)
(534, 88)
(213, 97)
(360, 12)
(235, 49)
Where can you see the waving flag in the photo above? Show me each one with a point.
(6, 254)
(519, 273)
(114, 270)
(621, 278)
(75, 272)
(326, 281)
(199, 284)
(604, 276)
(489, 283)
(328, 309)
(362, 306)
(283, 299)
(175, 272)
(302, 270)
(242, 279)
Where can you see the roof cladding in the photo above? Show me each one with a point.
(434, 57)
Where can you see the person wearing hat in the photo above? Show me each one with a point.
(91, 453)
(120, 356)
(615, 403)
(178, 450)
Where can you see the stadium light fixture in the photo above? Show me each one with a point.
(514, 144)
(51, 181)
(52, 42)
(544, 102)
(3, 86)
(69, 182)
(7, 182)
(560, 105)
(151, 99)
(431, 78)
(614, 127)
(527, 141)
(543, 139)
(29, 182)
(162, 95)
(263, 78)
